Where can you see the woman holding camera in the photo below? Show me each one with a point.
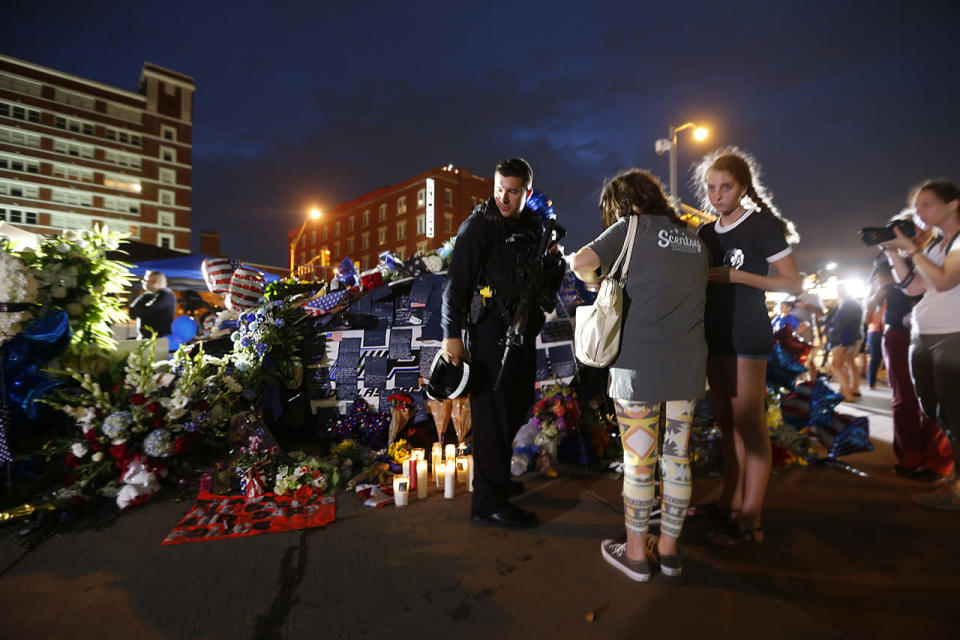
(659, 371)
(747, 239)
(935, 332)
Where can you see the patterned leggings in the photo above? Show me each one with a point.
(639, 427)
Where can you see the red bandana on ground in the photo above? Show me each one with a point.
(216, 517)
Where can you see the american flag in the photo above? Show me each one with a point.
(246, 288)
(217, 273)
(326, 303)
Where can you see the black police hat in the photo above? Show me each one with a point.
(447, 380)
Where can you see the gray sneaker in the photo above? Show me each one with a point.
(615, 553)
(670, 566)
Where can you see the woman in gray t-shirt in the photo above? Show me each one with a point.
(662, 361)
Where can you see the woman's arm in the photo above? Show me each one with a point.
(943, 277)
(787, 278)
(902, 270)
(584, 264)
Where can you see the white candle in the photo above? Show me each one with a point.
(421, 479)
(462, 469)
(436, 455)
(401, 486)
(449, 479)
(451, 452)
(470, 472)
(417, 454)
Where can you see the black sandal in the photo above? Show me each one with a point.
(715, 511)
(732, 535)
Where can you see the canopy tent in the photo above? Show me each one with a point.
(184, 270)
(20, 238)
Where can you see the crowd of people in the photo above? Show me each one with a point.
(702, 293)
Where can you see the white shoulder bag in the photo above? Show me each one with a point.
(596, 338)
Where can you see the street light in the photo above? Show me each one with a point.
(670, 144)
(313, 215)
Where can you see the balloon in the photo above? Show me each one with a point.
(184, 327)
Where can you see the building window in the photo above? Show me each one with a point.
(118, 181)
(382, 235)
(18, 112)
(448, 197)
(382, 213)
(16, 136)
(73, 99)
(166, 219)
(473, 202)
(349, 245)
(401, 252)
(448, 223)
(303, 241)
(166, 198)
(402, 230)
(18, 215)
(365, 240)
(20, 85)
(168, 176)
(165, 240)
(73, 149)
(313, 236)
(73, 198)
(123, 159)
(18, 190)
(336, 230)
(351, 223)
(422, 246)
(401, 205)
(69, 172)
(421, 224)
(17, 163)
(168, 132)
(365, 218)
(336, 249)
(421, 198)
(120, 204)
(168, 154)
(323, 233)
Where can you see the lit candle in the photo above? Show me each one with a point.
(436, 455)
(451, 452)
(421, 479)
(401, 487)
(470, 472)
(462, 469)
(417, 454)
(449, 479)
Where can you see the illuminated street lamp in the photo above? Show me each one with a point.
(669, 143)
(314, 215)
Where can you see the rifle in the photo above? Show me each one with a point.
(529, 300)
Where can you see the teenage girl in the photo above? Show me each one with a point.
(746, 240)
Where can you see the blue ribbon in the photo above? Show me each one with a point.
(43, 340)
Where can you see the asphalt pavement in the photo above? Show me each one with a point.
(845, 556)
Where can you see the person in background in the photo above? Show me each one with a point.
(787, 318)
(809, 308)
(844, 338)
(935, 319)
(875, 307)
(748, 238)
(154, 309)
(660, 370)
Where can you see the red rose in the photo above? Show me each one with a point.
(96, 446)
(90, 434)
(180, 445)
(70, 478)
(115, 388)
(203, 405)
(158, 422)
(77, 501)
(98, 412)
(71, 460)
(138, 399)
(139, 500)
(153, 407)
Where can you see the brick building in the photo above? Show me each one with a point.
(75, 153)
(418, 214)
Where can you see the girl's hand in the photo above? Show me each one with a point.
(721, 275)
(899, 242)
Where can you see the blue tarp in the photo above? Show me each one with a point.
(184, 268)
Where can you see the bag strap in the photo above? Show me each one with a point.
(623, 260)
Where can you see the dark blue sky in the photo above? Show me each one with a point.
(845, 104)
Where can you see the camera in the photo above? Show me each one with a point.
(872, 236)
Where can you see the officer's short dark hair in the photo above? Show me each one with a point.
(516, 168)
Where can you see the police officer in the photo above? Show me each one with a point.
(495, 250)
(154, 309)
